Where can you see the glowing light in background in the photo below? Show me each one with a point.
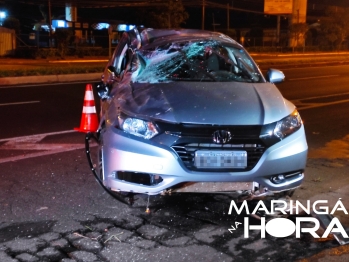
(2, 16)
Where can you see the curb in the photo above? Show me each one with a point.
(19, 80)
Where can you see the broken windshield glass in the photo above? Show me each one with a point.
(196, 61)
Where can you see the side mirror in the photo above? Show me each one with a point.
(275, 76)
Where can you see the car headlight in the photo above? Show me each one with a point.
(138, 127)
(288, 125)
(276, 131)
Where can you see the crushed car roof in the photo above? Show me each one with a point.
(142, 37)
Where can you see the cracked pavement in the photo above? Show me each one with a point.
(52, 209)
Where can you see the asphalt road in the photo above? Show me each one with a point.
(52, 209)
(36, 109)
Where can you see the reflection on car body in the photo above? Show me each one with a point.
(190, 111)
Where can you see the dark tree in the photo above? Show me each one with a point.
(336, 27)
(171, 15)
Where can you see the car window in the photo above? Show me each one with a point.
(122, 61)
(197, 61)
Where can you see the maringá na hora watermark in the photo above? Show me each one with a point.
(283, 227)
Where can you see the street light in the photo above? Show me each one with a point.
(2, 16)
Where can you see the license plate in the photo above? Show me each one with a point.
(220, 159)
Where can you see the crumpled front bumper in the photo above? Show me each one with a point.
(125, 153)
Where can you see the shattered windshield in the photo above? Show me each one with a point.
(196, 61)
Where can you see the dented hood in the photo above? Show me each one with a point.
(219, 103)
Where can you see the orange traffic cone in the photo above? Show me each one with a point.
(89, 118)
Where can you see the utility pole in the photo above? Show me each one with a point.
(203, 15)
(297, 16)
(278, 31)
(110, 33)
(214, 23)
(50, 24)
(228, 13)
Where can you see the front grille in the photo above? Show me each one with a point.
(242, 133)
(193, 137)
(186, 152)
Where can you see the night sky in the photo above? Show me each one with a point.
(29, 13)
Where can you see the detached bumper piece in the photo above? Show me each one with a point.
(325, 220)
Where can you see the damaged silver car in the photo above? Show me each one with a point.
(190, 111)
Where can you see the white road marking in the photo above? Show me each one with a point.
(303, 106)
(30, 146)
(32, 143)
(311, 77)
(19, 103)
(37, 154)
(36, 138)
(325, 96)
(308, 105)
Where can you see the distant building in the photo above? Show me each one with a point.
(85, 33)
(8, 41)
